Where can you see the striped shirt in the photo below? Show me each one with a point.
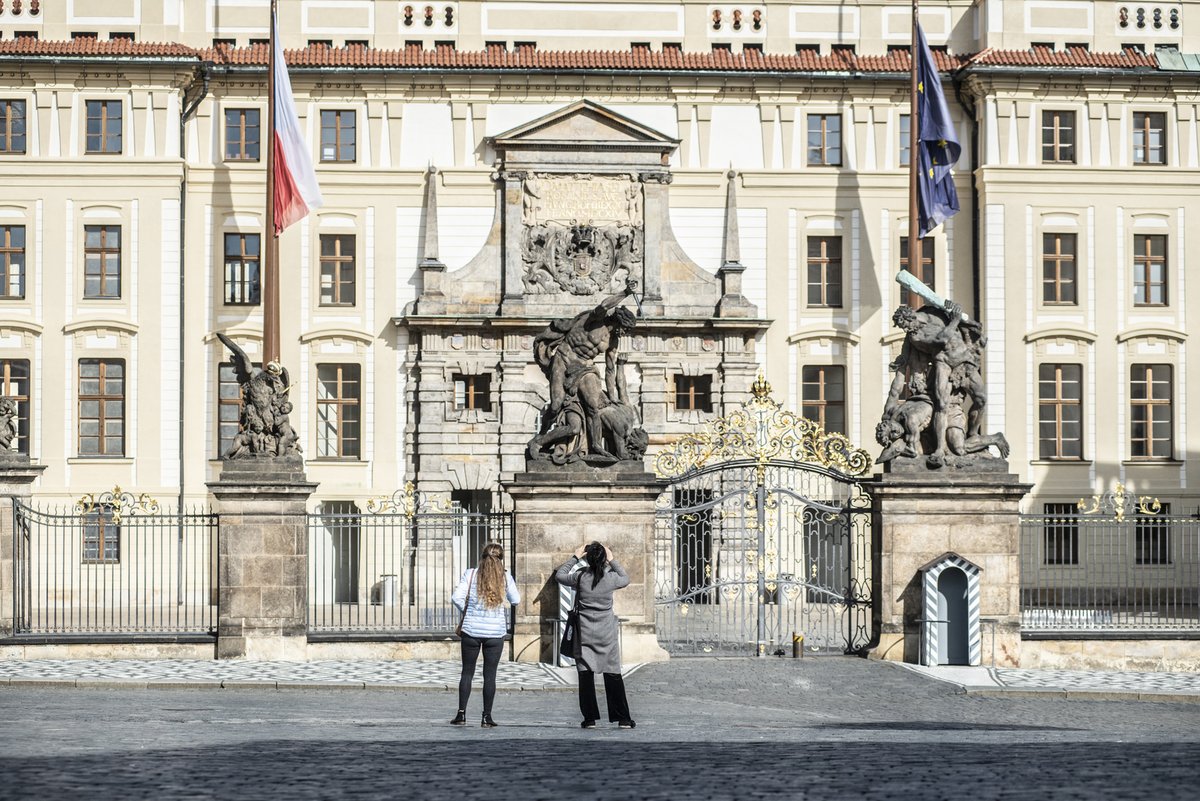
(480, 622)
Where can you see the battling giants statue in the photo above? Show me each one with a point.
(589, 417)
(263, 428)
(935, 405)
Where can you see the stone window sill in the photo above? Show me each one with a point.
(99, 460)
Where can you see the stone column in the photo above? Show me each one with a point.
(17, 475)
(922, 515)
(555, 510)
(262, 559)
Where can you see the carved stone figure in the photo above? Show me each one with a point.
(263, 428)
(937, 397)
(589, 416)
(8, 424)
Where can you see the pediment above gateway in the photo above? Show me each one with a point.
(584, 135)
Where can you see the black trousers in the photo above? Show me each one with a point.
(614, 694)
(492, 648)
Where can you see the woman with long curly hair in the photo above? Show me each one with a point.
(595, 576)
(481, 596)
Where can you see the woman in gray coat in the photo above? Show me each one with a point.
(594, 576)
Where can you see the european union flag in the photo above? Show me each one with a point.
(937, 144)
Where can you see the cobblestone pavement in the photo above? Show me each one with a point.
(830, 728)
(1108, 683)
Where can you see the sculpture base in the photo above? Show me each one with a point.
(557, 509)
(950, 465)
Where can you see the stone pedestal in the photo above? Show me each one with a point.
(922, 515)
(262, 559)
(17, 475)
(555, 510)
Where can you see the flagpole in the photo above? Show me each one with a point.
(915, 252)
(270, 288)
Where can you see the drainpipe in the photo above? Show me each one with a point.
(969, 106)
(187, 111)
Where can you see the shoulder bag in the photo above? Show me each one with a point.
(466, 602)
(570, 635)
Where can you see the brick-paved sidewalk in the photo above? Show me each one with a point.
(409, 674)
(444, 674)
(1093, 684)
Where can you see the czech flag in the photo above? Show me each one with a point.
(296, 190)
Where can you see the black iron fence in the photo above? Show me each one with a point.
(114, 565)
(391, 573)
(1106, 572)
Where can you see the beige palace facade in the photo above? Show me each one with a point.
(131, 222)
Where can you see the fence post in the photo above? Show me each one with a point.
(262, 559)
(17, 475)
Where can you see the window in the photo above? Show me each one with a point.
(103, 126)
(824, 140)
(102, 261)
(128, 36)
(337, 136)
(242, 279)
(905, 135)
(925, 272)
(101, 537)
(358, 43)
(12, 126)
(1149, 137)
(814, 49)
(320, 43)
(101, 407)
(222, 43)
(337, 270)
(1152, 537)
(84, 35)
(341, 520)
(14, 383)
(1150, 412)
(1061, 534)
(823, 397)
(12, 261)
(825, 272)
(693, 393)
(229, 407)
(1058, 269)
(1058, 137)
(477, 504)
(242, 134)
(473, 391)
(338, 411)
(1060, 411)
(1150, 270)
(897, 48)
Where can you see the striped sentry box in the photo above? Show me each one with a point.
(932, 630)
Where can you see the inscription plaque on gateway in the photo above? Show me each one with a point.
(582, 234)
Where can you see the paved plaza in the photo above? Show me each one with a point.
(816, 728)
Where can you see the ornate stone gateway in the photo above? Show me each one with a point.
(764, 534)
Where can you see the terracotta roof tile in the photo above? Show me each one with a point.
(529, 58)
(86, 46)
(1072, 57)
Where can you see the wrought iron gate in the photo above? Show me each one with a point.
(764, 534)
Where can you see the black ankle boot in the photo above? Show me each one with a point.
(488, 723)
(460, 719)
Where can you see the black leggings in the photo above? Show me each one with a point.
(492, 647)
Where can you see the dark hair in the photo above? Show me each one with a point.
(597, 561)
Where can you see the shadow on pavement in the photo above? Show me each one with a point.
(490, 767)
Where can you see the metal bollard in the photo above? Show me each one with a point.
(797, 645)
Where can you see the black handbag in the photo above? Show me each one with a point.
(570, 634)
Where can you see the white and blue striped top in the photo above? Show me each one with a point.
(480, 622)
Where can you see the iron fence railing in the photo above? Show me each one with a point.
(114, 565)
(393, 573)
(1136, 573)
